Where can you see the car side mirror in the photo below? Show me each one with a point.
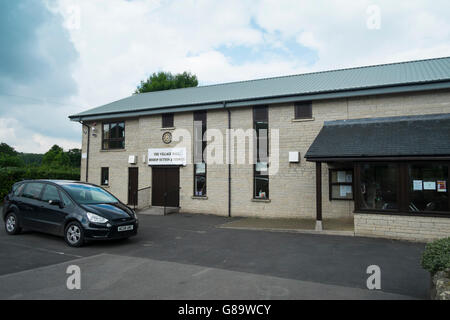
(56, 203)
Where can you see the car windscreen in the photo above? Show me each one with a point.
(87, 194)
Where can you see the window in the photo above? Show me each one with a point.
(379, 186)
(17, 188)
(428, 187)
(32, 190)
(88, 194)
(50, 193)
(66, 200)
(104, 177)
(167, 120)
(200, 179)
(113, 135)
(341, 184)
(260, 173)
(303, 110)
(199, 148)
(411, 188)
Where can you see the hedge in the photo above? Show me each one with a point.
(436, 256)
(8, 176)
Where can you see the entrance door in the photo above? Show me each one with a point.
(132, 186)
(166, 186)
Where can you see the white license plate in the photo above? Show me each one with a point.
(125, 228)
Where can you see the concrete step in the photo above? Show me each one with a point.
(158, 211)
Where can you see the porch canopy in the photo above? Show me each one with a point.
(408, 137)
(422, 137)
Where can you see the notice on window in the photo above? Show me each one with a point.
(417, 185)
(341, 176)
(345, 190)
(429, 185)
(442, 186)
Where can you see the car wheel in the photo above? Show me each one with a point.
(74, 234)
(12, 224)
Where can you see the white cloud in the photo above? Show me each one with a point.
(24, 140)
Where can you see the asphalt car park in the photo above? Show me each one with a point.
(184, 256)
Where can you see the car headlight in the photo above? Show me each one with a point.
(96, 218)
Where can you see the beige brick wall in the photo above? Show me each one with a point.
(292, 190)
(423, 229)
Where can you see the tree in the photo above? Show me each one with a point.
(56, 157)
(6, 149)
(9, 157)
(166, 81)
(75, 157)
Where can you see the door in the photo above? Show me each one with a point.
(53, 212)
(166, 186)
(133, 186)
(29, 205)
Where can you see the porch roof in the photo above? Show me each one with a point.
(396, 137)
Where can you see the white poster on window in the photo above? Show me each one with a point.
(341, 176)
(429, 185)
(417, 185)
(345, 190)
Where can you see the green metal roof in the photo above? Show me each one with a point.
(396, 77)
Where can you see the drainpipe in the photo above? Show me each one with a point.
(87, 148)
(229, 158)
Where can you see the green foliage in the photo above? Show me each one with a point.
(54, 164)
(9, 157)
(31, 159)
(8, 176)
(56, 157)
(74, 157)
(5, 149)
(436, 256)
(166, 81)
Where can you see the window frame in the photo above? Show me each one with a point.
(101, 176)
(331, 184)
(402, 190)
(296, 110)
(164, 118)
(112, 139)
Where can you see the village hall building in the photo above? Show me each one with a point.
(370, 144)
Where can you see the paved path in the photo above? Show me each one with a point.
(174, 248)
(138, 278)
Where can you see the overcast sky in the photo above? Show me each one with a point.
(60, 57)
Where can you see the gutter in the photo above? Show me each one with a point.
(87, 148)
(229, 157)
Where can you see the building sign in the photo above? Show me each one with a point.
(167, 156)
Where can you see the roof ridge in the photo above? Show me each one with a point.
(301, 74)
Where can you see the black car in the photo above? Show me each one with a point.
(76, 210)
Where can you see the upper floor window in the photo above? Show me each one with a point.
(113, 135)
(303, 110)
(167, 120)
